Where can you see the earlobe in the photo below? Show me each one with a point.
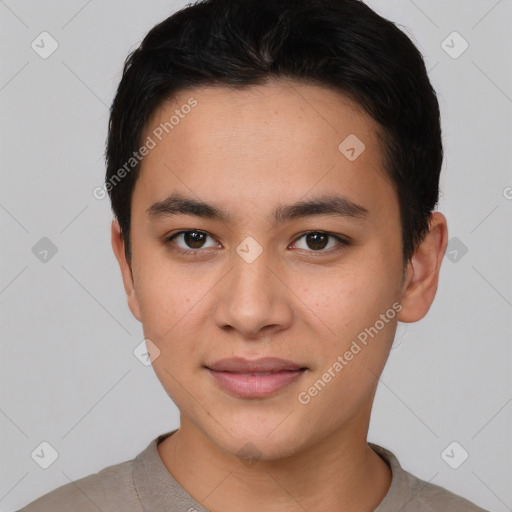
(126, 270)
(422, 273)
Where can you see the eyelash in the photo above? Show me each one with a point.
(342, 242)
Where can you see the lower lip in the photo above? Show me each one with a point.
(255, 386)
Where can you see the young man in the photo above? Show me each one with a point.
(273, 167)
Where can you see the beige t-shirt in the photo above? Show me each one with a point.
(145, 484)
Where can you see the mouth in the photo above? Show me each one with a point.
(257, 378)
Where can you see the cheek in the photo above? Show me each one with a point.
(347, 369)
(164, 292)
(352, 299)
(166, 314)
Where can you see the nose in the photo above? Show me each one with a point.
(254, 301)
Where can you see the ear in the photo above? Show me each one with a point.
(126, 270)
(422, 273)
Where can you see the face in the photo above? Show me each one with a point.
(255, 235)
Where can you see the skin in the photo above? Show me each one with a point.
(249, 151)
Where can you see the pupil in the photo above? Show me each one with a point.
(316, 240)
(194, 239)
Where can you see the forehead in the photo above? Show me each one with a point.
(293, 114)
(283, 137)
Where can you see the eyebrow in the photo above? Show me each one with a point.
(177, 204)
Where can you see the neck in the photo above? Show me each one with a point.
(339, 472)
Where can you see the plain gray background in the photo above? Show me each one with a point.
(68, 373)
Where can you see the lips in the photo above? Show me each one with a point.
(257, 378)
(263, 365)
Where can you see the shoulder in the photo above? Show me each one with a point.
(427, 497)
(100, 491)
(411, 494)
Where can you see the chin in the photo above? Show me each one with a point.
(258, 439)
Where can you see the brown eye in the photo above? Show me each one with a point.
(319, 241)
(192, 239)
